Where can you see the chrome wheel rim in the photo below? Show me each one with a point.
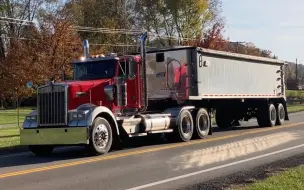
(272, 114)
(203, 123)
(186, 124)
(281, 113)
(101, 136)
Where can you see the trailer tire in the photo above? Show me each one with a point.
(223, 118)
(185, 125)
(267, 116)
(280, 110)
(101, 137)
(41, 150)
(202, 124)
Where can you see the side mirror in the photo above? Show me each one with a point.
(132, 69)
(30, 84)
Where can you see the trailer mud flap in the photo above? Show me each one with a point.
(286, 112)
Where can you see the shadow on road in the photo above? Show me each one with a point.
(73, 153)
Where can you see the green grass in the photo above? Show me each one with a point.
(295, 108)
(9, 132)
(9, 142)
(11, 116)
(292, 179)
(295, 94)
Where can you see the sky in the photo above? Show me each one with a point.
(276, 25)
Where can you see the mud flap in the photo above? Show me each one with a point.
(286, 112)
(210, 125)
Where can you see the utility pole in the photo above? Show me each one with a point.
(297, 73)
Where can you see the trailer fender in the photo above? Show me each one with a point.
(93, 112)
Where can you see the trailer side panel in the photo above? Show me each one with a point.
(220, 76)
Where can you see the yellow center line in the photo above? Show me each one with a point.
(120, 155)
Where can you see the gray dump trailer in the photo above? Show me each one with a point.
(175, 91)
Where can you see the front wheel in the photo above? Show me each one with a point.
(101, 137)
(41, 150)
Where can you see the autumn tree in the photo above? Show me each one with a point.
(103, 22)
(44, 54)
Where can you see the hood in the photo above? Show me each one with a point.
(85, 85)
(82, 92)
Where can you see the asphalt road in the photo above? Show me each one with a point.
(159, 165)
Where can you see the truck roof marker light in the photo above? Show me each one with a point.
(82, 58)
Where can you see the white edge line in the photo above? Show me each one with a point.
(215, 168)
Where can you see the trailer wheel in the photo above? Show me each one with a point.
(101, 137)
(185, 127)
(280, 114)
(202, 124)
(267, 116)
(41, 150)
(223, 118)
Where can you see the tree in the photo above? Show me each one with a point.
(182, 19)
(46, 51)
(92, 18)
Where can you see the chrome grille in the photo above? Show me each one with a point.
(52, 105)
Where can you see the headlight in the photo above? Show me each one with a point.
(31, 118)
(78, 115)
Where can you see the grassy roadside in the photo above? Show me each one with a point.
(11, 116)
(295, 108)
(289, 179)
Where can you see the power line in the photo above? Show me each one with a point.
(12, 22)
(110, 30)
(15, 19)
(103, 30)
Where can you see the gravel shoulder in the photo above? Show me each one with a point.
(242, 178)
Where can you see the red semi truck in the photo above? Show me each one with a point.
(172, 90)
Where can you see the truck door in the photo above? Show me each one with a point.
(131, 83)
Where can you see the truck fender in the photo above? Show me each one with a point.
(30, 124)
(94, 111)
(175, 112)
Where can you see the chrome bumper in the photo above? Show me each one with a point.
(54, 136)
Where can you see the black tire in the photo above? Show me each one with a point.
(185, 127)
(267, 116)
(280, 114)
(202, 124)
(101, 128)
(223, 119)
(41, 150)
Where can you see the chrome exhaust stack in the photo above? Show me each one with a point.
(143, 39)
(86, 47)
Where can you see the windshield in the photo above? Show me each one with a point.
(95, 70)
